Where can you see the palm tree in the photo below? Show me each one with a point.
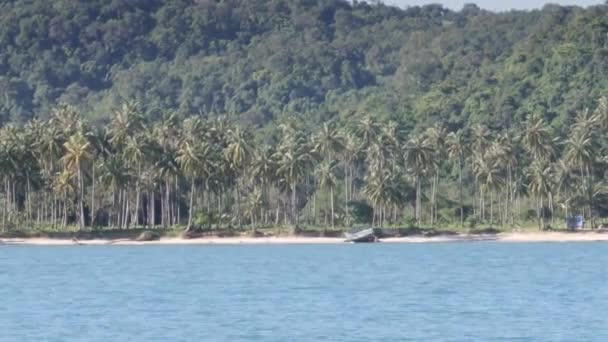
(350, 153)
(254, 203)
(326, 179)
(488, 173)
(263, 170)
(237, 154)
(457, 149)
(582, 147)
(537, 138)
(367, 129)
(540, 174)
(77, 151)
(381, 189)
(328, 141)
(63, 186)
(293, 157)
(194, 158)
(435, 138)
(418, 159)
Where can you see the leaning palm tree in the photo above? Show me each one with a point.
(77, 151)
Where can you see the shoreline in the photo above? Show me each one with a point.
(512, 237)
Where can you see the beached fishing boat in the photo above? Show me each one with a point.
(366, 235)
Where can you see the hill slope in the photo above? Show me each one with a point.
(262, 59)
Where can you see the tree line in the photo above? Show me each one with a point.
(200, 171)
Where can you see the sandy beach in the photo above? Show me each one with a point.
(515, 237)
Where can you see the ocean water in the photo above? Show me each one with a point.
(377, 292)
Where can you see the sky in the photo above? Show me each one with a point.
(494, 5)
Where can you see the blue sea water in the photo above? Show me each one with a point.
(378, 292)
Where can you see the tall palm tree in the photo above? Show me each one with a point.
(194, 158)
(435, 138)
(237, 154)
(64, 187)
(77, 151)
(418, 159)
(263, 171)
(540, 175)
(457, 149)
(350, 153)
(294, 158)
(582, 148)
(326, 177)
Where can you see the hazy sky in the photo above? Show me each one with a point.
(495, 5)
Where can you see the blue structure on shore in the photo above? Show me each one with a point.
(575, 221)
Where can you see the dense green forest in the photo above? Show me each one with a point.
(262, 60)
(262, 113)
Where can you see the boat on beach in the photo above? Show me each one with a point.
(365, 235)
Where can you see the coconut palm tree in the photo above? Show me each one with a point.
(435, 138)
(350, 153)
(237, 154)
(263, 171)
(77, 151)
(294, 157)
(253, 205)
(581, 151)
(537, 138)
(540, 175)
(328, 141)
(367, 130)
(456, 146)
(418, 159)
(64, 187)
(326, 179)
(194, 158)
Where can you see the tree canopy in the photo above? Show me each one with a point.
(261, 60)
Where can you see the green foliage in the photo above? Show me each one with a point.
(361, 212)
(261, 60)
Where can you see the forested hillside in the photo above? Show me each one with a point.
(261, 60)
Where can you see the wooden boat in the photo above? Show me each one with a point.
(366, 235)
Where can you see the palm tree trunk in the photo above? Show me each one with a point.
(491, 208)
(418, 201)
(137, 195)
(293, 203)
(81, 198)
(93, 213)
(461, 194)
(191, 208)
(331, 190)
(29, 197)
(346, 216)
(238, 204)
